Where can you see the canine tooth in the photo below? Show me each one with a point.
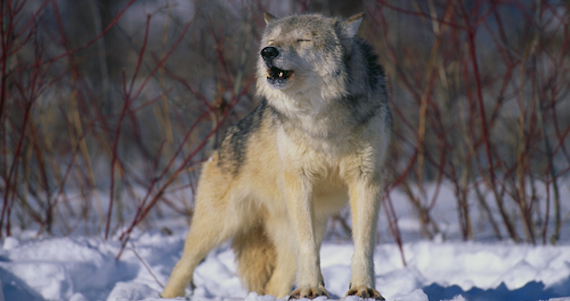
(280, 74)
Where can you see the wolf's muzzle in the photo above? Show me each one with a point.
(275, 75)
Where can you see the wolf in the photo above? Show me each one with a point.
(316, 141)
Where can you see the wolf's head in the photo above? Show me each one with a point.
(306, 54)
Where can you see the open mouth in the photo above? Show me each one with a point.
(276, 75)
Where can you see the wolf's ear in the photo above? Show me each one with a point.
(268, 18)
(351, 25)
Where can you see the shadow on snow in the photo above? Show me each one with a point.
(530, 291)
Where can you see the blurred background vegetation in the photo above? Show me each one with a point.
(108, 108)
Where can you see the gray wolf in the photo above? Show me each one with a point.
(316, 141)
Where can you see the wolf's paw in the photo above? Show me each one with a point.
(309, 292)
(173, 290)
(169, 296)
(169, 293)
(364, 292)
(163, 297)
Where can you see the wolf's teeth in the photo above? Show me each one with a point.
(280, 74)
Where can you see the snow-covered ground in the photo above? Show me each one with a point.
(84, 268)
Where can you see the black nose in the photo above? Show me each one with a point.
(269, 53)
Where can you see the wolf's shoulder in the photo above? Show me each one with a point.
(233, 149)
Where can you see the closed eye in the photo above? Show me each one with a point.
(303, 40)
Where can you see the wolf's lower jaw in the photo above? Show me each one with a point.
(276, 82)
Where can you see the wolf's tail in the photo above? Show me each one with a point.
(256, 257)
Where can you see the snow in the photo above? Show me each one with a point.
(82, 268)
(86, 269)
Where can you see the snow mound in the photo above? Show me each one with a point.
(85, 269)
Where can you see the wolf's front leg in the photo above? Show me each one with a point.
(310, 282)
(365, 197)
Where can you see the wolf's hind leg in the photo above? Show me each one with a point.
(205, 233)
(215, 220)
(283, 276)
